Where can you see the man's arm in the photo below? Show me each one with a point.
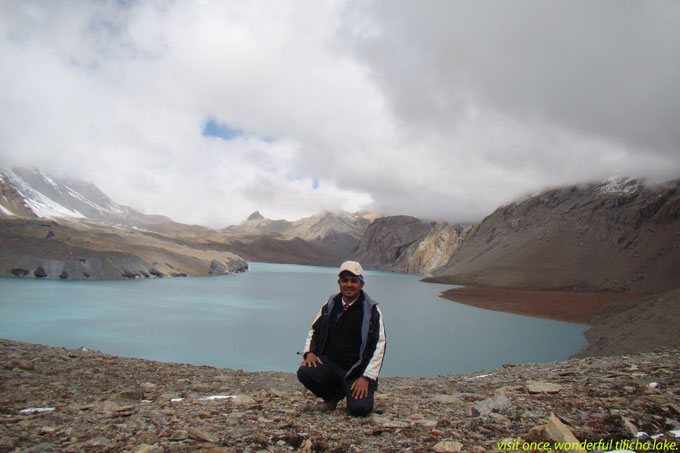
(375, 363)
(312, 342)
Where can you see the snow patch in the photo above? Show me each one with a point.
(41, 205)
(479, 377)
(217, 397)
(36, 410)
(620, 185)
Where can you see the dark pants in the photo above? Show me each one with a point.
(328, 381)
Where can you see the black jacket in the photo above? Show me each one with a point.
(372, 347)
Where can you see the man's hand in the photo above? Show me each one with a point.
(311, 360)
(360, 388)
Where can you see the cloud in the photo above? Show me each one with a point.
(206, 111)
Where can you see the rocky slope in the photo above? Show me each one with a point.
(615, 236)
(54, 399)
(639, 325)
(409, 245)
(79, 250)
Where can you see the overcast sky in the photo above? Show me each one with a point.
(208, 110)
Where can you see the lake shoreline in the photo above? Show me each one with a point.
(566, 306)
(620, 323)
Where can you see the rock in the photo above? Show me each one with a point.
(146, 448)
(148, 386)
(556, 431)
(22, 364)
(387, 422)
(494, 403)
(410, 245)
(446, 399)
(630, 427)
(40, 272)
(508, 389)
(243, 400)
(217, 268)
(197, 434)
(129, 395)
(100, 442)
(410, 413)
(447, 445)
(543, 387)
(179, 435)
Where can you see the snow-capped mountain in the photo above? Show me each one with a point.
(35, 193)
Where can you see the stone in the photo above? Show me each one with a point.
(557, 431)
(146, 448)
(494, 403)
(630, 427)
(387, 422)
(447, 446)
(543, 387)
(243, 400)
(129, 395)
(179, 435)
(306, 447)
(197, 434)
(508, 389)
(217, 268)
(40, 272)
(446, 399)
(22, 364)
(413, 413)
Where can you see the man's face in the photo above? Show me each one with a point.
(350, 286)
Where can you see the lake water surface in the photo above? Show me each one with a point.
(258, 321)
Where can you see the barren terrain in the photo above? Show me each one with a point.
(54, 399)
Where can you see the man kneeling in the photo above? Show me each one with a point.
(345, 346)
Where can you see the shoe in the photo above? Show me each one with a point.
(328, 406)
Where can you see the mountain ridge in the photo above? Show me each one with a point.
(617, 235)
(621, 235)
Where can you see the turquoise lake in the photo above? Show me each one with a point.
(259, 320)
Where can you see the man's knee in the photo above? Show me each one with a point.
(359, 407)
(304, 374)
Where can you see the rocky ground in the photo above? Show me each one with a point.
(52, 399)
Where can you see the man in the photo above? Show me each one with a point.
(345, 346)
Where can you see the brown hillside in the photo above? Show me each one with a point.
(601, 237)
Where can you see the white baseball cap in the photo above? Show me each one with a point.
(352, 267)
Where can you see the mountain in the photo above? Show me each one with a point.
(408, 245)
(35, 193)
(52, 226)
(617, 235)
(323, 239)
(69, 229)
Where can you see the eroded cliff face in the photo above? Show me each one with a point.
(436, 249)
(409, 245)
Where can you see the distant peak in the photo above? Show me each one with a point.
(255, 216)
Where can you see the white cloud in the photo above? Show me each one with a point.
(436, 109)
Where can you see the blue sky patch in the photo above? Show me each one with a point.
(214, 129)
